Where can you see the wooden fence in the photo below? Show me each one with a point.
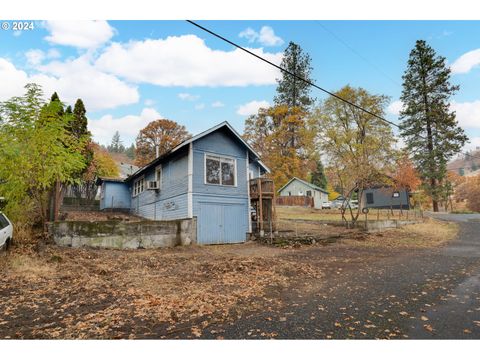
(305, 201)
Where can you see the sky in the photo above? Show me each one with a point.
(129, 73)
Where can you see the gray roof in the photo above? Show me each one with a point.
(126, 170)
(312, 186)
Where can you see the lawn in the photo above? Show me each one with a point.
(298, 212)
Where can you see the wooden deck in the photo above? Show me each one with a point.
(262, 188)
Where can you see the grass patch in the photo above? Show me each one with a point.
(304, 213)
(430, 233)
(27, 266)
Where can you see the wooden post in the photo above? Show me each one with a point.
(260, 200)
(274, 207)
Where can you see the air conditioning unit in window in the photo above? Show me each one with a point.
(153, 185)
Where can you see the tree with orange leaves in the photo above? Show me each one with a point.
(405, 175)
(284, 137)
(157, 138)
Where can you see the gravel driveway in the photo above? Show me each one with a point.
(420, 294)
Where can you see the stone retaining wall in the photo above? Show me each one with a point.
(124, 235)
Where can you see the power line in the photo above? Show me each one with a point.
(339, 39)
(292, 74)
(300, 78)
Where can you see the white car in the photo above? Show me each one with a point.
(6, 232)
(326, 205)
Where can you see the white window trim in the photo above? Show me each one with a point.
(133, 187)
(161, 176)
(205, 155)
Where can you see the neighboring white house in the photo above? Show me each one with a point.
(299, 187)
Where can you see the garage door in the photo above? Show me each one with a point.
(222, 223)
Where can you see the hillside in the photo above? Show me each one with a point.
(467, 163)
(126, 166)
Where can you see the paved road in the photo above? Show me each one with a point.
(421, 294)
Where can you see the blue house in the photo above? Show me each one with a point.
(206, 176)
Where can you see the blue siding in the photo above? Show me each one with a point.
(219, 143)
(116, 196)
(255, 169)
(221, 211)
(171, 201)
(220, 219)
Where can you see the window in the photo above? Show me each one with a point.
(138, 186)
(3, 222)
(220, 170)
(369, 198)
(309, 193)
(158, 176)
(396, 194)
(289, 193)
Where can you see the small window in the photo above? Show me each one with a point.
(158, 176)
(396, 194)
(220, 170)
(138, 186)
(289, 193)
(309, 193)
(3, 222)
(369, 198)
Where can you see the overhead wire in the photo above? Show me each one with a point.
(301, 78)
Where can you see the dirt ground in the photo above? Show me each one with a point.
(177, 292)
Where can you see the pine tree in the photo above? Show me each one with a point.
(290, 90)
(55, 99)
(130, 151)
(78, 125)
(429, 128)
(116, 144)
(318, 176)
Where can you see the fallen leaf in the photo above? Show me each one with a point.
(428, 327)
(424, 318)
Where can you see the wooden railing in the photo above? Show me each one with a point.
(263, 187)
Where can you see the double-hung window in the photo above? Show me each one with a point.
(138, 186)
(220, 170)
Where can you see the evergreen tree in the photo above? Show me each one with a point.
(78, 125)
(318, 176)
(290, 90)
(116, 145)
(130, 152)
(429, 128)
(55, 99)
